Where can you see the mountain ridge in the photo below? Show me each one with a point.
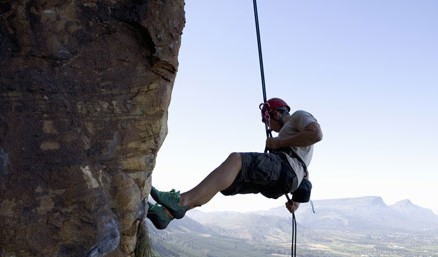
(368, 212)
(340, 227)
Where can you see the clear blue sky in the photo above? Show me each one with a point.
(367, 70)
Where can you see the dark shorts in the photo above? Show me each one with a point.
(267, 173)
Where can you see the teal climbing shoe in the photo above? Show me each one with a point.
(170, 200)
(158, 216)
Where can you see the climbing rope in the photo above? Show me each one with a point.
(266, 119)
(262, 72)
(293, 245)
(259, 44)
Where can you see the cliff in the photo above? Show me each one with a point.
(84, 91)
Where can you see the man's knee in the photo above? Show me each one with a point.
(234, 156)
(235, 159)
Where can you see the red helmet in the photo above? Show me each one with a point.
(270, 105)
(275, 103)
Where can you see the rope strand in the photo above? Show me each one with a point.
(268, 131)
(259, 44)
(262, 72)
(293, 250)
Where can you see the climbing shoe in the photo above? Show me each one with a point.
(158, 216)
(170, 200)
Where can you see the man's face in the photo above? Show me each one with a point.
(274, 121)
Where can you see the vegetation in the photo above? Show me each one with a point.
(310, 244)
(359, 227)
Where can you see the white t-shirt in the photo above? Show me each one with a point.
(295, 123)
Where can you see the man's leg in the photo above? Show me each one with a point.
(219, 179)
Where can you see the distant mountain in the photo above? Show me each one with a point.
(361, 214)
(369, 213)
(407, 209)
(188, 238)
(343, 227)
(251, 226)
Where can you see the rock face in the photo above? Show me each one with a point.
(84, 91)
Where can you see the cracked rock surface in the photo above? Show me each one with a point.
(84, 90)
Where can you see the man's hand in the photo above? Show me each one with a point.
(292, 206)
(272, 143)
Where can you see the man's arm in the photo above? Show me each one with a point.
(310, 135)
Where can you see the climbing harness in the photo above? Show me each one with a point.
(265, 107)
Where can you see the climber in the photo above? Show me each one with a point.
(273, 173)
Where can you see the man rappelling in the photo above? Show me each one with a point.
(280, 170)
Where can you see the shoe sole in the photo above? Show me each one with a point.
(158, 222)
